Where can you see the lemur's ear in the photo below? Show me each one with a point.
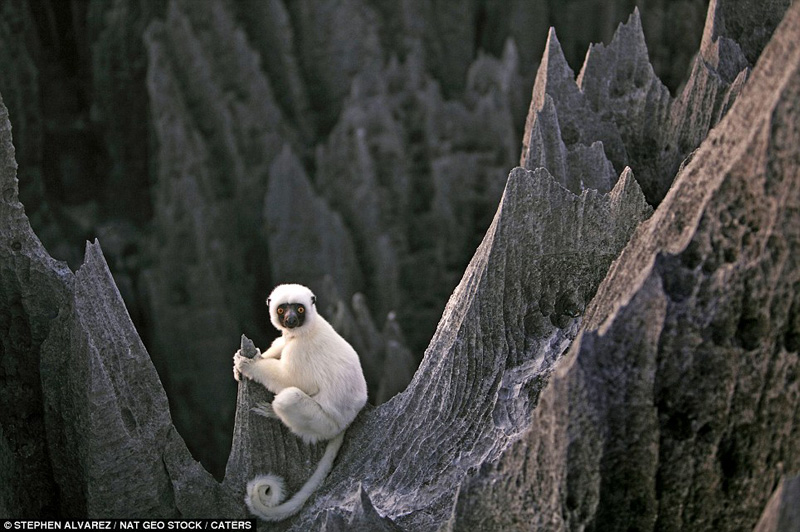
(268, 300)
(313, 300)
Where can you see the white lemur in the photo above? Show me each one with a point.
(319, 386)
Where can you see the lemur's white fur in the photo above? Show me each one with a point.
(319, 386)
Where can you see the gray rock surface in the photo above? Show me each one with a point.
(85, 424)
(387, 363)
(121, 104)
(676, 408)
(576, 122)
(782, 513)
(619, 101)
(482, 373)
(33, 289)
(20, 84)
(309, 239)
(401, 161)
(111, 441)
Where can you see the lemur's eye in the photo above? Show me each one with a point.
(301, 309)
(280, 311)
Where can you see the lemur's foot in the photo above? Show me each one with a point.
(264, 409)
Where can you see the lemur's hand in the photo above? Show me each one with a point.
(241, 366)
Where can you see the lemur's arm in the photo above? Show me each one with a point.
(269, 372)
(275, 349)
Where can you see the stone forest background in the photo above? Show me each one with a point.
(390, 128)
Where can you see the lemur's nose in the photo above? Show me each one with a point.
(292, 320)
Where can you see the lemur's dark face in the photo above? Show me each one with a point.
(291, 315)
(292, 308)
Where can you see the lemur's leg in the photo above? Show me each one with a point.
(304, 416)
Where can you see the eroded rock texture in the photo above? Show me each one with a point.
(109, 432)
(781, 513)
(499, 336)
(263, 445)
(617, 112)
(34, 288)
(677, 406)
(86, 425)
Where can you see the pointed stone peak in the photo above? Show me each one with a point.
(625, 184)
(631, 31)
(542, 144)
(287, 168)
(8, 163)
(626, 56)
(93, 257)
(717, 48)
(552, 45)
(553, 70)
(715, 26)
(635, 20)
(510, 52)
(627, 198)
(732, 144)
(750, 25)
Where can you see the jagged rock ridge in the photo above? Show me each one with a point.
(494, 346)
(83, 406)
(32, 289)
(677, 406)
(619, 113)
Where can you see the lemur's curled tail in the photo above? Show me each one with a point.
(265, 492)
